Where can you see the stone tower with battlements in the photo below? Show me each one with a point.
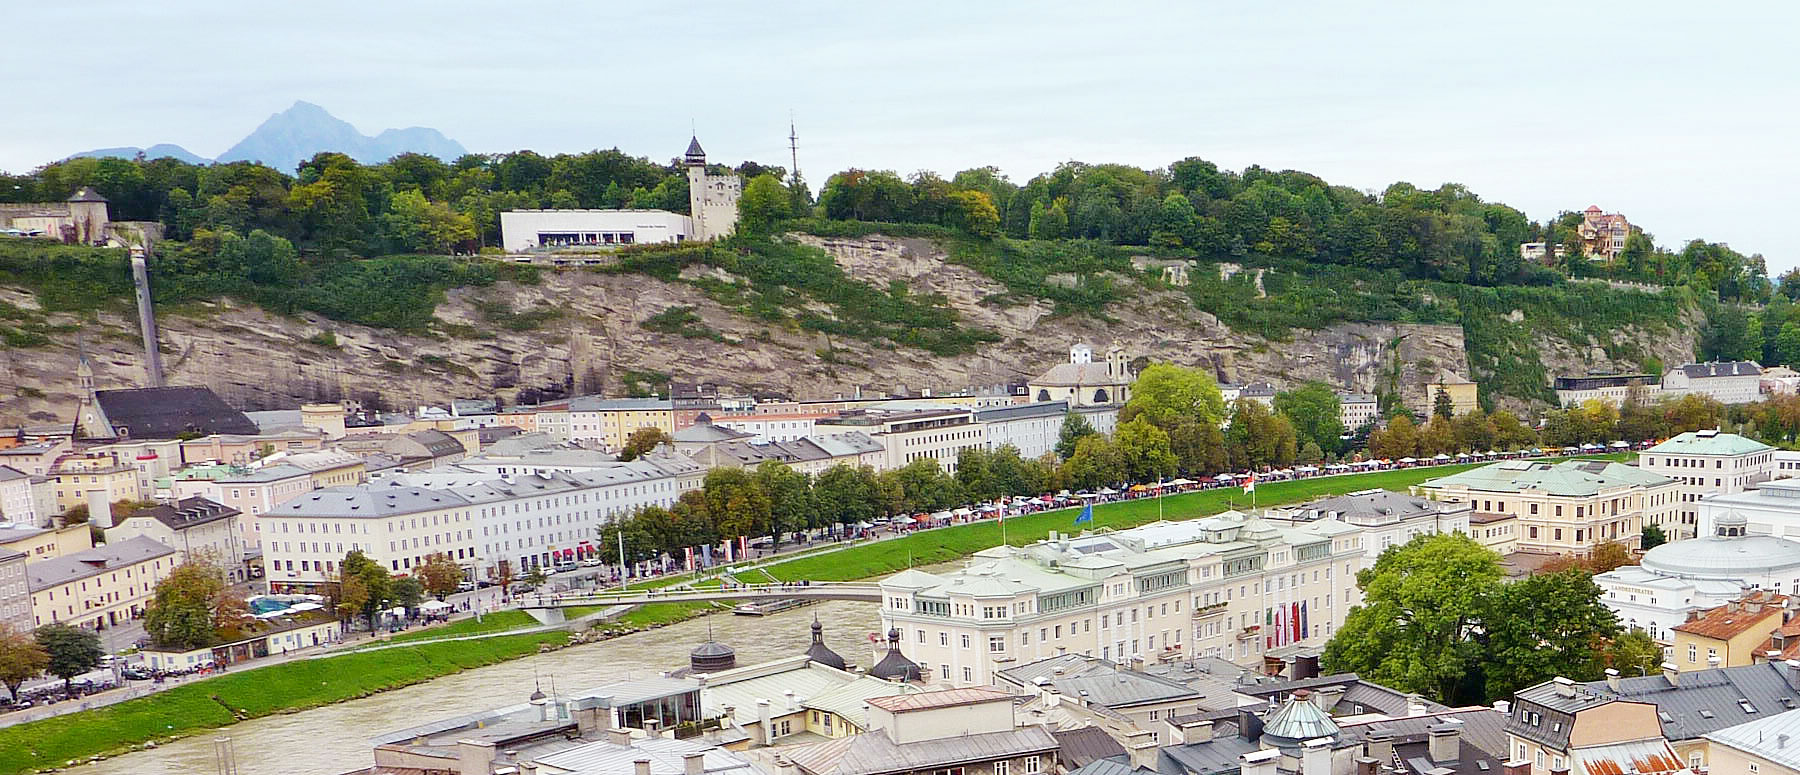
(712, 199)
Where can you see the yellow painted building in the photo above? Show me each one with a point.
(78, 476)
(38, 543)
(609, 421)
(99, 588)
(1463, 394)
(1731, 633)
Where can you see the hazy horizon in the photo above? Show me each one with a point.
(1672, 115)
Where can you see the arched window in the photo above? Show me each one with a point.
(1100, 396)
(1043, 395)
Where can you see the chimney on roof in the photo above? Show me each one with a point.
(1564, 686)
(1191, 732)
(1141, 745)
(693, 763)
(1671, 674)
(641, 767)
(1379, 745)
(1367, 765)
(1259, 762)
(1612, 679)
(1712, 661)
(1520, 767)
(1503, 706)
(1315, 756)
(1444, 742)
(619, 736)
(786, 766)
(1415, 705)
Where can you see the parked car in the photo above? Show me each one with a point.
(465, 586)
(592, 562)
(565, 567)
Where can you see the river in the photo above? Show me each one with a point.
(334, 739)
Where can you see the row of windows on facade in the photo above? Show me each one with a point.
(1604, 508)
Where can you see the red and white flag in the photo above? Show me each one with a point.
(1250, 482)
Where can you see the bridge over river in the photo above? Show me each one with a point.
(549, 609)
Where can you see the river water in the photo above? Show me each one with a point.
(334, 739)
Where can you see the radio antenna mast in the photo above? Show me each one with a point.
(793, 148)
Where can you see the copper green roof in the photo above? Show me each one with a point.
(1709, 443)
(1568, 478)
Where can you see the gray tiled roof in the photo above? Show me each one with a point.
(93, 562)
(188, 512)
(8, 473)
(1722, 369)
(1099, 681)
(1484, 728)
(1022, 411)
(874, 753)
(166, 412)
(1082, 745)
(1699, 703)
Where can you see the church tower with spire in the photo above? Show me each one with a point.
(712, 199)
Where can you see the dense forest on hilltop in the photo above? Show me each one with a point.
(366, 244)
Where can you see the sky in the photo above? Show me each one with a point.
(1679, 115)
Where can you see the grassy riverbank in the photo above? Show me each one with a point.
(229, 698)
(310, 683)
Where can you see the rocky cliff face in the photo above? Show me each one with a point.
(257, 360)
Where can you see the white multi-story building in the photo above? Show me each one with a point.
(526, 230)
(1387, 518)
(1770, 508)
(1675, 578)
(1033, 429)
(1733, 382)
(1706, 462)
(478, 519)
(1228, 586)
(1609, 389)
(906, 436)
(1357, 409)
(765, 428)
(17, 503)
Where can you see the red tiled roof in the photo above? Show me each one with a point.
(1736, 618)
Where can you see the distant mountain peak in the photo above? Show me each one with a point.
(304, 129)
(292, 136)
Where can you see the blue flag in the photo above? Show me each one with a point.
(1087, 514)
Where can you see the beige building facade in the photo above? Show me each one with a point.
(1563, 508)
(1228, 586)
(101, 587)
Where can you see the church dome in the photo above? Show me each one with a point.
(711, 657)
(1729, 554)
(819, 652)
(894, 664)
(1297, 721)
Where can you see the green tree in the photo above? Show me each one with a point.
(1543, 626)
(1422, 601)
(1651, 537)
(1199, 447)
(1164, 392)
(1096, 463)
(791, 505)
(1634, 653)
(1256, 439)
(71, 650)
(1074, 429)
(414, 224)
(1144, 451)
(180, 615)
(974, 213)
(850, 494)
(764, 203)
(1314, 410)
(1441, 406)
(407, 592)
(535, 576)
(643, 441)
(1787, 343)
(736, 503)
(21, 659)
(440, 574)
(925, 487)
(373, 582)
